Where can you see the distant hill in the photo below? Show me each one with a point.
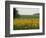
(37, 14)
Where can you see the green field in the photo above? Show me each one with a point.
(26, 25)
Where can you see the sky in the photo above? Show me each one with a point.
(27, 11)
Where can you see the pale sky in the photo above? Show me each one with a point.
(27, 11)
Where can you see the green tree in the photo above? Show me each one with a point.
(15, 13)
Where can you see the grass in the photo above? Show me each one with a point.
(31, 22)
(25, 27)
